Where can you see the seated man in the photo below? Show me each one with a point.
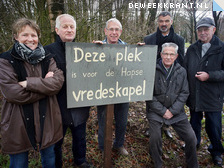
(167, 107)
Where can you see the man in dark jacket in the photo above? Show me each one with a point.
(75, 118)
(165, 33)
(204, 62)
(167, 107)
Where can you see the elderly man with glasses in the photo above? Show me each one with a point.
(113, 30)
(167, 106)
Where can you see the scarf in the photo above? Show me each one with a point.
(167, 71)
(31, 56)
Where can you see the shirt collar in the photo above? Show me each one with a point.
(119, 41)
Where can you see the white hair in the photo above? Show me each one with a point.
(58, 23)
(170, 45)
(114, 20)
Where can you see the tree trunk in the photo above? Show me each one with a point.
(55, 8)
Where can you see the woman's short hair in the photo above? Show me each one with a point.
(21, 23)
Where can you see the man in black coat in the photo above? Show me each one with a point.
(165, 33)
(204, 62)
(75, 118)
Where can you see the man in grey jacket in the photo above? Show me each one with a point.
(167, 107)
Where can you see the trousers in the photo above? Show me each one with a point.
(184, 131)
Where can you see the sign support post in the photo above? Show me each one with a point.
(108, 132)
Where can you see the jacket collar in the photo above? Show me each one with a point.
(58, 40)
(216, 45)
(119, 41)
(159, 64)
(214, 41)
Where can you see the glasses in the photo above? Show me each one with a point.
(113, 29)
(167, 54)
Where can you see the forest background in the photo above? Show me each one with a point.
(91, 16)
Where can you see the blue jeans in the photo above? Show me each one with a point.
(213, 127)
(121, 116)
(78, 145)
(21, 160)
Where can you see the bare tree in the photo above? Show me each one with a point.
(216, 16)
(91, 16)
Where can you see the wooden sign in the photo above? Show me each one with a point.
(99, 74)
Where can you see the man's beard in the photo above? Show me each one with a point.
(163, 30)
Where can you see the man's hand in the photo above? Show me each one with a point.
(202, 76)
(98, 42)
(168, 115)
(49, 74)
(141, 44)
(23, 84)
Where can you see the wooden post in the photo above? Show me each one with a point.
(108, 135)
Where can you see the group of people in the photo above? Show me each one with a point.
(34, 111)
(197, 79)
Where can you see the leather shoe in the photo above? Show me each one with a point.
(210, 148)
(168, 133)
(85, 165)
(217, 160)
(121, 150)
(147, 132)
(198, 146)
(183, 147)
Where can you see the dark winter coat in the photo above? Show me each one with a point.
(15, 137)
(153, 39)
(208, 95)
(169, 94)
(74, 116)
